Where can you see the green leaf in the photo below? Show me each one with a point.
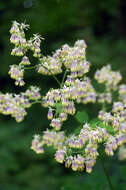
(59, 107)
(77, 130)
(98, 123)
(81, 117)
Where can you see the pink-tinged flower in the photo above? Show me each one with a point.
(60, 155)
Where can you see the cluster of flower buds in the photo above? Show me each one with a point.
(86, 142)
(18, 38)
(74, 58)
(49, 65)
(83, 91)
(122, 93)
(78, 151)
(21, 47)
(14, 105)
(116, 118)
(109, 77)
(79, 91)
(116, 121)
(60, 155)
(17, 72)
(104, 97)
(25, 61)
(34, 44)
(77, 162)
(61, 102)
(20, 42)
(49, 138)
(33, 93)
(37, 144)
(59, 107)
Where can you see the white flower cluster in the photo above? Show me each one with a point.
(78, 151)
(73, 58)
(33, 93)
(104, 97)
(16, 104)
(49, 65)
(21, 47)
(61, 102)
(122, 93)
(17, 73)
(116, 122)
(18, 38)
(81, 151)
(21, 44)
(109, 77)
(37, 144)
(49, 138)
(85, 146)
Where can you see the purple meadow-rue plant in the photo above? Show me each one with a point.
(78, 151)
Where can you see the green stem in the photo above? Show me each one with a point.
(56, 79)
(52, 75)
(33, 67)
(63, 78)
(107, 175)
(36, 102)
(28, 68)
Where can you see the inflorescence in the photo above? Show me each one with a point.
(78, 151)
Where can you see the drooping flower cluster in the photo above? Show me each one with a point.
(37, 144)
(49, 65)
(16, 104)
(109, 77)
(85, 146)
(104, 97)
(122, 93)
(33, 93)
(78, 151)
(17, 73)
(73, 58)
(21, 47)
(116, 119)
(18, 38)
(61, 102)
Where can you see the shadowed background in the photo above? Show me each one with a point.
(102, 24)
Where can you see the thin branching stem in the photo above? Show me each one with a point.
(106, 174)
(63, 78)
(36, 102)
(34, 67)
(52, 75)
(28, 68)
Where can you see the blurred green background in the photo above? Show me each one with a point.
(102, 24)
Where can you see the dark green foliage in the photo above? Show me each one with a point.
(82, 117)
(102, 25)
